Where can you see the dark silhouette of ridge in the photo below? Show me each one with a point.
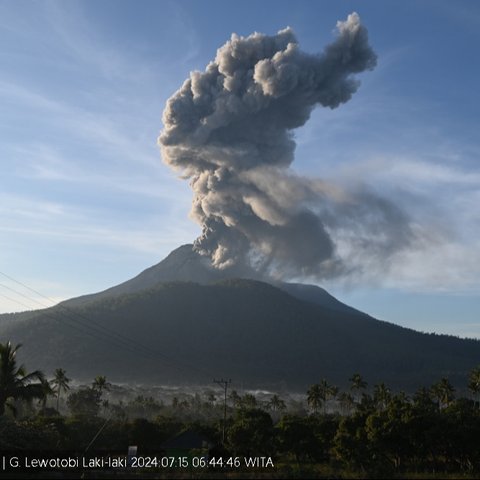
(184, 322)
(185, 265)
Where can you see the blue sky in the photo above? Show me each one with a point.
(85, 201)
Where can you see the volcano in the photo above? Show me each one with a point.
(184, 264)
(183, 322)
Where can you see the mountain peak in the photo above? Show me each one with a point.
(184, 264)
(181, 264)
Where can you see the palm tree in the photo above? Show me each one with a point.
(357, 382)
(315, 397)
(100, 384)
(235, 398)
(15, 383)
(47, 390)
(60, 381)
(474, 381)
(327, 391)
(276, 404)
(211, 399)
(332, 392)
(443, 391)
(381, 395)
(248, 402)
(346, 402)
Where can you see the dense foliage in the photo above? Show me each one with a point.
(248, 330)
(362, 431)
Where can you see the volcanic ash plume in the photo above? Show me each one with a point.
(229, 130)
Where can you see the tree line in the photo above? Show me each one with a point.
(369, 431)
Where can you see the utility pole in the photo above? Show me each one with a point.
(225, 384)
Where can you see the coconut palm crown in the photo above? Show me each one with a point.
(15, 382)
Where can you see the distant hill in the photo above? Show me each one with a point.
(250, 331)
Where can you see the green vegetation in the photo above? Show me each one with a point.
(15, 382)
(60, 382)
(280, 340)
(367, 433)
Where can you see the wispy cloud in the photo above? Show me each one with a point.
(407, 169)
(81, 173)
(441, 199)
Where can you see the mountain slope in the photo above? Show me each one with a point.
(184, 264)
(250, 331)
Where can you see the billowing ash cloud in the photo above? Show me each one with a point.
(229, 130)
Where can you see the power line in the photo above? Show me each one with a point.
(89, 325)
(73, 312)
(67, 321)
(121, 340)
(84, 320)
(15, 301)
